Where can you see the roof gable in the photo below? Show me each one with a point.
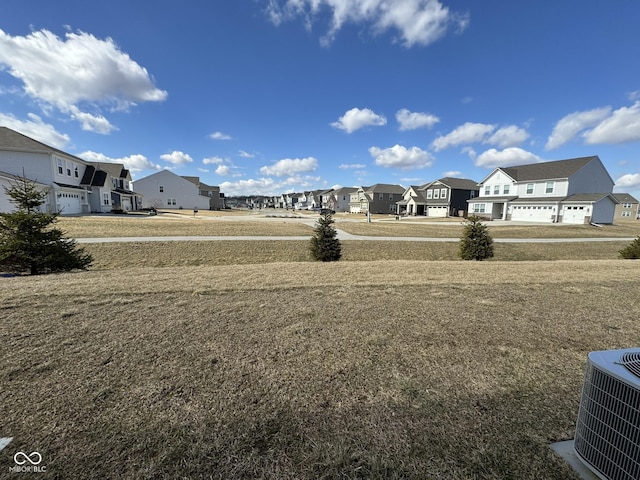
(547, 170)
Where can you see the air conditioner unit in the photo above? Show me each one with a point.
(607, 437)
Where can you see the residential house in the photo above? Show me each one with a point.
(340, 198)
(576, 190)
(414, 201)
(69, 180)
(378, 198)
(166, 190)
(216, 199)
(628, 206)
(448, 196)
(110, 188)
(6, 181)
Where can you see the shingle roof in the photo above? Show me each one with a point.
(12, 140)
(625, 198)
(459, 183)
(384, 188)
(550, 170)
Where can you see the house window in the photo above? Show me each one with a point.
(478, 207)
(505, 189)
(436, 193)
(429, 193)
(549, 187)
(115, 182)
(496, 189)
(75, 171)
(105, 199)
(391, 196)
(381, 196)
(487, 190)
(626, 214)
(171, 201)
(472, 194)
(529, 188)
(60, 169)
(68, 165)
(161, 189)
(626, 205)
(443, 193)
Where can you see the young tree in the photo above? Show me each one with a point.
(476, 243)
(631, 251)
(325, 247)
(28, 240)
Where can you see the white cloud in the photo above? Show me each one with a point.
(36, 129)
(260, 186)
(220, 136)
(176, 157)
(77, 72)
(493, 158)
(622, 126)
(244, 154)
(452, 173)
(510, 136)
(135, 163)
(345, 166)
(628, 181)
(414, 120)
(356, 118)
(569, 126)
(213, 161)
(91, 123)
(223, 170)
(470, 151)
(401, 157)
(290, 166)
(467, 133)
(418, 22)
(203, 170)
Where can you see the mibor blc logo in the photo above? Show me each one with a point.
(28, 463)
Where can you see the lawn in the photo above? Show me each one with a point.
(301, 370)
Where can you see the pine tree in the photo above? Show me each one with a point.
(28, 240)
(631, 251)
(325, 247)
(476, 243)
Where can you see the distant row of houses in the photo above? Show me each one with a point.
(578, 190)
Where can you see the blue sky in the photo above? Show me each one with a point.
(273, 96)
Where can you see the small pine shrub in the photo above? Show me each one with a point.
(631, 251)
(324, 245)
(476, 243)
(28, 240)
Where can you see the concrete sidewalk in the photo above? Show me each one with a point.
(342, 235)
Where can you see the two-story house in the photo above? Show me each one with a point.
(628, 206)
(378, 198)
(166, 190)
(110, 188)
(445, 197)
(216, 199)
(577, 190)
(58, 172)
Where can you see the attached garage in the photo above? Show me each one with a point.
(437, 211)
(533, 213)
(575, 214)
(69, 202)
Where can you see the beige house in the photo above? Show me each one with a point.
(627, 208)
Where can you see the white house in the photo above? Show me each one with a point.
(577, 190)
(166, 190)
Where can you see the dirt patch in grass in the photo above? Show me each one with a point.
(307, 370)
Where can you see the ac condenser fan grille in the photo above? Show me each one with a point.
(631, 361)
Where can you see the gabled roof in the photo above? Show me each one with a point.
(625, 198)
(16, 141)
(384, 188)
(551, 170)
(459, 183)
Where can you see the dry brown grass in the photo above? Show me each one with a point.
(167, 254)
(453, 229)
(145, 226)
(399, 369)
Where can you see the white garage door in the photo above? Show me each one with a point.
(574, 215)
(437, 211)
(532, 213)
(69, 203)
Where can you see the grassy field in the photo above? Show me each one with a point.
(168, 254)
(377, 369)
